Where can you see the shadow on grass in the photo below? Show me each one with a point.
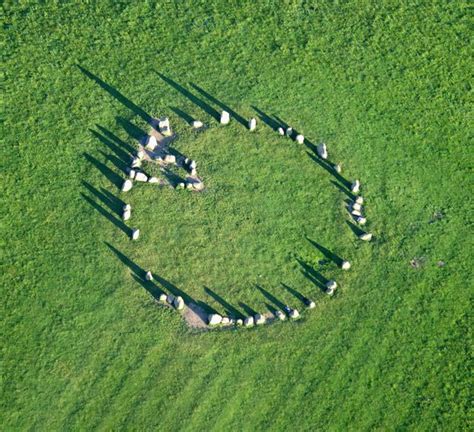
(193, 98)
(133, 130)
(120, 151)
(109, 216)
(110, 200)
(185, 116)
(312, 275)
(230, 310)
(247, 309)
(344, 190)
(220, 104)
(295, 293)
(327, 253)
(355, 229)
(113, 177)
(117, 95)
(277, 304)
(267, 119)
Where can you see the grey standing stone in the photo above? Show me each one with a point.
(127, 185)
(300, 139)
(141, 177)
(135, 234)
(366, 236)
(214, 319)
(259, 319)
(338, 168)
(280, 315)
(355, 187)
(322, 151)
(281, 131)
(170, 299)
(252, 124)
(153, 180)
(361, 220)
(171, 159)
(294, 314)
(163, 298)
(225, 117)
(149, 276)
(346, 265)
(289, 132)
(197, 124)
(249, 321)
(225, 320)
(151, 143)
(126, 215)
(178, 303)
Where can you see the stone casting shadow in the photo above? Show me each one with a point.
(295, 293)
(230, 310)
(194, 99)
(185, 116)
(109, 216)
(277, 304)
(220, 104)
(119, 151)
(110, 200)
(117, 95)
(113, 177)
(268, 120)
(327, 253)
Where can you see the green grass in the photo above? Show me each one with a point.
(384, 84)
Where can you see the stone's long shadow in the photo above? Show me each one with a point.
(109, 216)
(110, 200)
(184, 115)
(295, 293)
(118, 151)
(248, 310)
(117, 95)
(277, 304)
(133, 130)
(117, 162)
(193, 98)
(267, 119)
(312, 275)
(220, 104)
(355, 229)
(230, 310)
(113, 177)
(344, 190)
(129, 149)
(327, 253)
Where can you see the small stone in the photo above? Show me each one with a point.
(153, 180)
(294, 314)
(289, 132)
(189, 186)
(311, 304)
(249, 321)
(197, 124)
(356, 206)
(322, 151)
(141, 177)
(366, 236)
(126, 215)
(359, 200)
(140, 154)
(361, 220)
(136, 162)
(164, 126)
(198, 185)
(151, 143)
(180, 186)
(171, 159)
(239, 322)
(127, 207)
(163, 298)
(346, 265)
(170, 299)
(356, 213)
(178, 303)
(281, 131)
(280, 315)
(331, 284)
(131, 173)
(300, 139)
(252, 124)
(225, 321)
(259, 319)
(225, 117)
(214, 319)
(337, 168)
(127, 185)
(194, 172)
(355, 187)
(135, 234)
(149, 276)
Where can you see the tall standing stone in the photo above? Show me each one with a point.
(252, 124)
(225, 117)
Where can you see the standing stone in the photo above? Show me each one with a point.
(249, 321)
(135, 234)
(331, 287)
(239, 322)
(178, 303)
(151, 143)
(356, 213)
(140, 154)
(192, 164)
(197, 185)
(361, 220)
(346, 265)
(281, 131)
(127, 207)
(366, 236)
(214, 319)
(289, 132)
(225, 117)
(359, 200)
(194, 172)
(126, 214)
(141, 177)
(259, 319)
(180, 186)
(127, 185)
(322, 151)
(164, 126)
(280, 315)
(294, 314)
(170, 299)
(153, 180)
(252, 124)
(163, 298)
(131, 173)
(356, 206)
(171, 159)
(300, 139)
(197, 124)
(355, 187)
(311, 304)
(149, 276)
(136, 162)
(225, 321)
(337, 168)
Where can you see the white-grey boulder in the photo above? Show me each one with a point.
(337, 168)
(149, 276)
(346, 265)
(366, 236)
(127, 185)
(178, 303)
(239, 322)
(311, 304)
(197, 124)
(361, 220)
(225, 117)
(355, 187)
(164, 126)
(135, 234)
(280, 315)
(356, 213)
(359, 200)
(131, 173)
(151, 143)
(322, 151)
(356, 206)
(289, 132)
(294, 314)
(300, 139)
(192, 164)
(127, 214)
(136, 162)
(259, 319)
(249, 321)
(153, 180)
(252, 124)
(281, 131)
(214, 319)
(170, 159)
(163, 298)
(141, 177)
(225, 321)
(170, 299)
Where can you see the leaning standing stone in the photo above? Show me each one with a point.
(252, 124)
(135, 234)
(127, 185)
(225, 117)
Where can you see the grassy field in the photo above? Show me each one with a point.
(384, 84)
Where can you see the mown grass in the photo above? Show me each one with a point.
(386, 86)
